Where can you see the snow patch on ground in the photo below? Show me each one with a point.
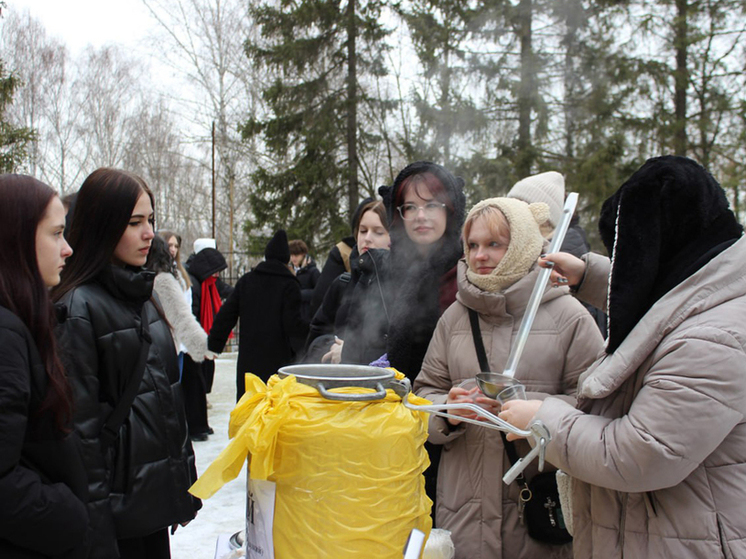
(225, 512)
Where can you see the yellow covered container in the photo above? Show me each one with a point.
(346, 472)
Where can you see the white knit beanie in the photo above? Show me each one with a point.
(546, 187)
(526, 242)
(204, 243)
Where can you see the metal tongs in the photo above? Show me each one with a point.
(537, 431)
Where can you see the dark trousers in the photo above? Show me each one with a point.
(431, 475)
(154, 546)
(195, 399)
(208, 373)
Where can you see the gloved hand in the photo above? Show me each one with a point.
(381, 362)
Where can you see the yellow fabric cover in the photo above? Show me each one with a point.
(348, 474)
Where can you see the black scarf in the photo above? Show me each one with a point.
(667, 221)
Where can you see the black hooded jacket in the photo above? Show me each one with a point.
(201, 266)
(43, 484)
(266, 303)
(420, 288)
(140, 484)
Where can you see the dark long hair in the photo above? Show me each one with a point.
(102, 211)
(160, 259)
(166, 236)
(22, 289)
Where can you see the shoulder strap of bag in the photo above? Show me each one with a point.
(484, 366)
(110, 430)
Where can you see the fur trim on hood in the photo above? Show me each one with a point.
(667, 221)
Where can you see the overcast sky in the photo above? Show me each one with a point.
(79, 23)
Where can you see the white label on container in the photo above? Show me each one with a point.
(260, 514)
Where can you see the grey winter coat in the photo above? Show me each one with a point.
(473, 502)
(657, 448)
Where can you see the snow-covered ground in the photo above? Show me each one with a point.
(225, 512)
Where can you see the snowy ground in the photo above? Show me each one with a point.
(224, 512)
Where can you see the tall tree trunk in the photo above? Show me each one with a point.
(574, 13)
(352, 183)
(525, 90)
(681, 78)
(445, 123)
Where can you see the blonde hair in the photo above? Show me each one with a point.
(496, 222)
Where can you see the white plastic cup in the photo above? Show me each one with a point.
(512, 392)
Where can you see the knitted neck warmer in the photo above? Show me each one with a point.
(526, 242)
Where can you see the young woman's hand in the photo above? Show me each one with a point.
(566, 268)
(334, 355)
(458, 395)
(519, 413)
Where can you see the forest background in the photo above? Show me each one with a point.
(297, 109)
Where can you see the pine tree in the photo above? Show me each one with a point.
(324, 54)
(441, 31)
(14, 141)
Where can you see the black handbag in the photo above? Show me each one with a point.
(539, 504)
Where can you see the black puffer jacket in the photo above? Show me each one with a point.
(333, 267)
(363, 319)
(42, 477)
(140, 485)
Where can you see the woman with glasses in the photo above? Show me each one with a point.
(425, 206)
(121, 359)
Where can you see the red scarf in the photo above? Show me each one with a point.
(210, 303)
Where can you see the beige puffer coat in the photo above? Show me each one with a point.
(472, 500)
(660, 460)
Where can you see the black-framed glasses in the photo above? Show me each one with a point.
(410, 211)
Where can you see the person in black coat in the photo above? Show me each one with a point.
(43, 482)
(267, 302)
(141, 467)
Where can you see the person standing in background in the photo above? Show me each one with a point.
(187, 332)
(208, 291)
(307, 273)
(266, 301)
(174, 247)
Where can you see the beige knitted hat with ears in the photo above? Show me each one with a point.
(526, 242)
(546, 187)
